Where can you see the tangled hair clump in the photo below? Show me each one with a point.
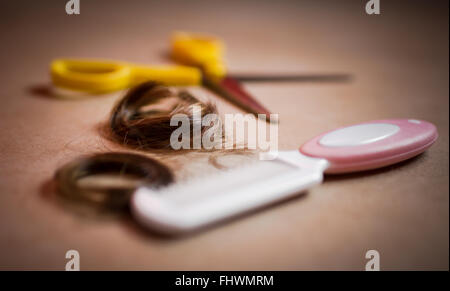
(134, 126)
(147, 171)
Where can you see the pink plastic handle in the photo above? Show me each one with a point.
(371, 144)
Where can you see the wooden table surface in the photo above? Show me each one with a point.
(400, 64)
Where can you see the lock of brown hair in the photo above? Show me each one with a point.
(133, 126)
(146, 171)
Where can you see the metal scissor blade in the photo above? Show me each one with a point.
(292, 77)
(231, 90)
(234, 86)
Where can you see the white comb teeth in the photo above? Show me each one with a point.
(228, 180)
(200, 201)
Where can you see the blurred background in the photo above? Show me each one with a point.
(399, 61)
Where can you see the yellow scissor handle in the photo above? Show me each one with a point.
(95, 76)
(198, 50)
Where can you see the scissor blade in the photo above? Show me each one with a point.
(234, 86)
(230, 89)
(292, 78)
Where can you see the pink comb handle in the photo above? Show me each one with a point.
(371, 144)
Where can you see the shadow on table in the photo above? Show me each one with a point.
(48, 192)
(48, 91)
(41, 91)
(332, 178)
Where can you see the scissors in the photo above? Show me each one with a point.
(202, 64)
(201, 56)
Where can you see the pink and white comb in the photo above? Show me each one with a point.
(200, 202)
